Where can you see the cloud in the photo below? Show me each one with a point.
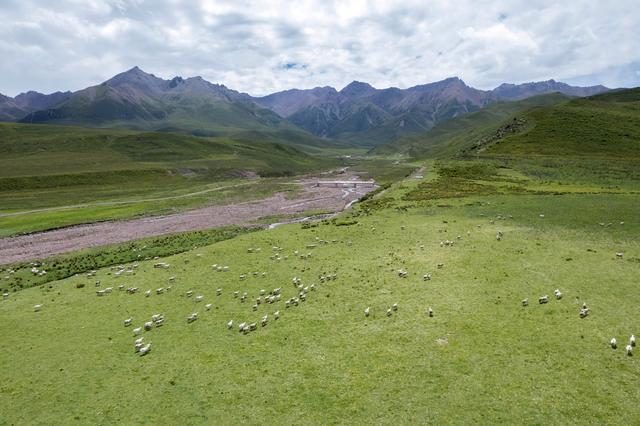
(264, 46)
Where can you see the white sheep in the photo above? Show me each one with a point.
(426, 277)
(147, 293)
(276, 315)
(230, 324)
(189, 293)
(629, 350)
(145, 349)
(137, 331)
(558, 294)
(191, 318)
(366, 312)
(543, 299)
(5, 296)
(525, 302)
(148, 325)
(394, 307)
(613, 343)
(128, 322)
(389, 313)
(219, 292)
(632, 340)
(430, 311)
(208, 306)
(199, 298)
(619, 255)
(241, 326)
(37, 308)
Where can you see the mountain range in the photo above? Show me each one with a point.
(358, 114)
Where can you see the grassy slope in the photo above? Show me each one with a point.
(446, 138)
(53, 166)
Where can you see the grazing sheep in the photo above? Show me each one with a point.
(558, 294)
(584, 312)
(159, 290)
(100, 293)
(613, 343)
(147, 293)
(128, 322)
(137, 331)
(37, 308)
(191, 318)
(629, 350)
(394, 307)
(241, 326)
(619, 255)
(254, 307)
(263, 322)
(145, 349)
(230, 324)
(199, 298)
(236, 294)
(366, 311)
(389, 313)
(276, 315)
(208, 306)
(253, 326)
(440, 265)
(5, 296)
(219, 292)
(287, 304)
(148, 325)
(632, 340)
(430, 311)
(121, 287)
(189, 293)
(138, 341)
(426, 277)
(543, 299)
(525, 302)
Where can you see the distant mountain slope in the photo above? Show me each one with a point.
(601, 126)
(451, 137)
(13, 109)
(367, 116)
(359, 114)
(140, 101)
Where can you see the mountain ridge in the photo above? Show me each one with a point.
(358, 113)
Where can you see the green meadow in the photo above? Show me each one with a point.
(509, 213)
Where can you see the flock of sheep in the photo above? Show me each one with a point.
(274, 296)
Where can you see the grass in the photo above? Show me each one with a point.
(482, 358)
(59, 176)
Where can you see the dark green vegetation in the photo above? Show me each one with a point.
(63, 266)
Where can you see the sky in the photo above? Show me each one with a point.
(260, 47)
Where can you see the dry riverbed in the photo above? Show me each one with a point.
(48, 243)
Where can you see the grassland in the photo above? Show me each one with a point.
(53, 176)
(482, 358)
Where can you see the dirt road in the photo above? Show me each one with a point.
(44, 244)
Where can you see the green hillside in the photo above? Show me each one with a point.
(603, 126)
(449, 137)
(43, 167)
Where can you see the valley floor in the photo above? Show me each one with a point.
(44, 244)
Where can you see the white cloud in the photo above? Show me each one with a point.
(263, 46)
